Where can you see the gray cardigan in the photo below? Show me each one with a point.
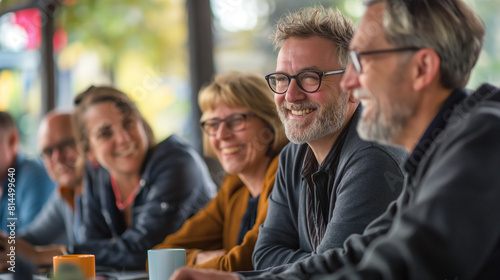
(368, 177)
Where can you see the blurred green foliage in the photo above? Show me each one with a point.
(156, 29)
(9, 4)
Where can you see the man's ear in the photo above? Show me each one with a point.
(12, 139)
(427, 64)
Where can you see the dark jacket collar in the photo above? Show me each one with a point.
(432, 132)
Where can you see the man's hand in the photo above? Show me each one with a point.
(22, 248)
(38, 255)
(205, 256)
(202, 274)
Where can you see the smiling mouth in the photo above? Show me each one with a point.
(127, 152)
(301, 112)
(231, 150)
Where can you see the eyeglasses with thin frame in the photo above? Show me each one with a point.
(309, 81)
(63, 146)
(355, 56)
(236, 122)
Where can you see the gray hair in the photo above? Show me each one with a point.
(328, 23)
(449, 27)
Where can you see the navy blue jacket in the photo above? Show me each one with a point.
(175, 183)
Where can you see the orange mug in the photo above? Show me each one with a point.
(82, 264)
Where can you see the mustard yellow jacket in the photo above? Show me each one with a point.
(217, 226)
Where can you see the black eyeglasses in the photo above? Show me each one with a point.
(236, 122)
(356, 56)
(308, 81)
(60, 147)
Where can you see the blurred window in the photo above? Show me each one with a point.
(20, 91)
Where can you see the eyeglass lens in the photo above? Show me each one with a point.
(48, 151)
(235, 122)
(308, 81)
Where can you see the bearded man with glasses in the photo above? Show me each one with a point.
(330, 183)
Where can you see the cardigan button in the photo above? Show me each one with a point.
(164, 206)
(142, 182)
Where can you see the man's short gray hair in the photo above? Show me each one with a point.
(328, 23)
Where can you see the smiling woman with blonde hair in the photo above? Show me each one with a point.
(242, 129)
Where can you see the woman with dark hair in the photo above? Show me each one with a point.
(242, 129)
(135, 191)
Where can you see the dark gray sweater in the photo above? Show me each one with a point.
(368, 177)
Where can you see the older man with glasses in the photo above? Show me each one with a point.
(57, 224)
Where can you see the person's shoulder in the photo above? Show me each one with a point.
(397, 153)
(174, 153)
(485, 92)
(472, 128)
(94, 169)
(477, 112)
(29, 164)
(230, 185)
(355, 145)
(273, 166)
(95, 176)
(291, 159)
(174, 140)
(488, 111)
(291, 151)
(32, 168)
(471, 135)
(170, 145)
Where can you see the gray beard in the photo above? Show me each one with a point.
(330, 119)
(380, 132)
(385, 124)
(385, 129)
